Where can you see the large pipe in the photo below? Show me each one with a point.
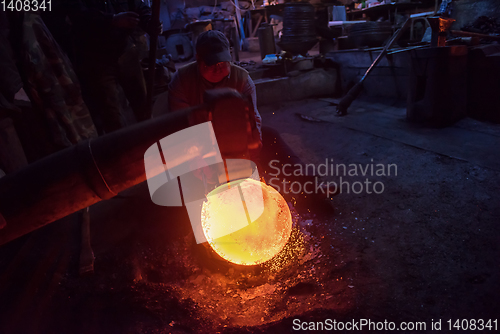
(80, 176)
(94, 170)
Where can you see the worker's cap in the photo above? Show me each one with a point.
(213, 47)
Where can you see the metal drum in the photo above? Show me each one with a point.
(299, 30)
(437, 92)
(370, 34)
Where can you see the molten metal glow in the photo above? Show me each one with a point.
(258, 241)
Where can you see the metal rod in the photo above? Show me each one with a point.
(351, 95)
(87, 258)
(407, 49)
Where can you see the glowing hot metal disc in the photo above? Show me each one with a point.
(257, 241)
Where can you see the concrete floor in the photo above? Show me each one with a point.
(426, 248)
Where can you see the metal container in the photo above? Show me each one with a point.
(299, 28)
(370, 34)
(437, 93)
(266, 40)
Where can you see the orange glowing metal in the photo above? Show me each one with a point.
(256, 242)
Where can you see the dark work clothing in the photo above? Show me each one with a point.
(10, 80)
(52, 85)
(106, 57)
(101, 90)
(188, 86)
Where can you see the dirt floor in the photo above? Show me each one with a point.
(425, 249)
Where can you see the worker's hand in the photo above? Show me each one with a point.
(126, 20)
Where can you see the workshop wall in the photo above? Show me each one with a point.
(176, 13)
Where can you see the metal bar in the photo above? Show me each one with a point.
(473, 34)
(86, 254)
(407, 49)
(351, 95)
(391, 42)
(238, 19)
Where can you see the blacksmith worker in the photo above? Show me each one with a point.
(107, 56)
(213, 69)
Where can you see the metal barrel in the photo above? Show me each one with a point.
(298, 23)
(299, 28)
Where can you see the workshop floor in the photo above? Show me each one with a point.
(425, 248)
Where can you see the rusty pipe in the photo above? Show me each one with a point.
(80, 176)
